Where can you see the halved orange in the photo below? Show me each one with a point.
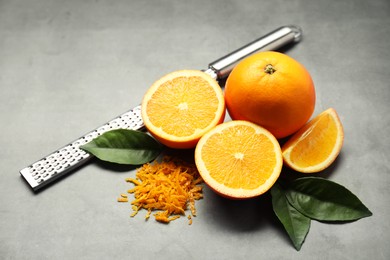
(239, 159)
(316, 145)
(179, 108)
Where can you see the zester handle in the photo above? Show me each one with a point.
(272, 41)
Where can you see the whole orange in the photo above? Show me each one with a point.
(272, 90)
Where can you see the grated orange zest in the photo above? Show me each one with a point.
(169, 186)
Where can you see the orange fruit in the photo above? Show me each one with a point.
(182, 106)
(314, 147)
(272, 90)
(239, 159)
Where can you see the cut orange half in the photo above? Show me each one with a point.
(239, 159)
(182, 106)
(316, 145)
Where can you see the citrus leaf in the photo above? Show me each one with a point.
(296, 224)
(124, 146)
(324, 200)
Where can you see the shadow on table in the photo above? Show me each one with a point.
(256, 214)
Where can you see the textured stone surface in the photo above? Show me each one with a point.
(67, 67)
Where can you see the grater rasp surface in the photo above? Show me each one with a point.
(71, 156)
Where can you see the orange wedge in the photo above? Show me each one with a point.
(182, 106)
(316, 145)
(239, 159)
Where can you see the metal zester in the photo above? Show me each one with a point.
(71, 156)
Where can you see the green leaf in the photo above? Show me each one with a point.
(296, 224)
(324, 200)
(124, 146)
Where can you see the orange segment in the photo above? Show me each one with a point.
(314, 147)
(239, 159)
(181, 106)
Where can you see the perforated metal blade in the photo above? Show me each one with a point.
(71, 156)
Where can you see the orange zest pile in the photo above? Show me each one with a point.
(169, 186)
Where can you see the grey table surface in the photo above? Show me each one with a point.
(67, 67)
